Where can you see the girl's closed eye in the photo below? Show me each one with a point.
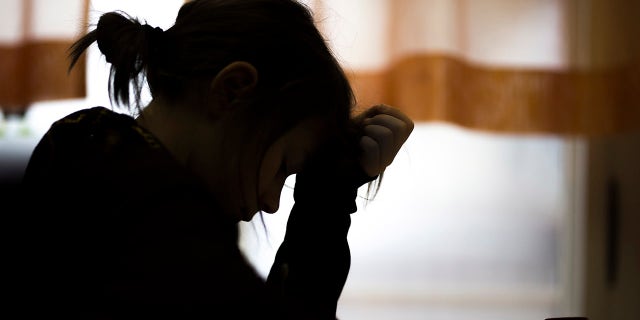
(284, 168)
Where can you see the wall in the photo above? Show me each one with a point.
(613, 229)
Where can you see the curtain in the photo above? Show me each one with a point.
(523, 66)
(34, 38)
(544, 72)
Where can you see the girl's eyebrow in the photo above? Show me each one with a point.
(300, 155)
(296, 161)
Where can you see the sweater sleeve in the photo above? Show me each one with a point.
(312, 264)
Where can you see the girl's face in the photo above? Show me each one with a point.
(286, 156)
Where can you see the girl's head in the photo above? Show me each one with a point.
(248, 70)
(277, 37)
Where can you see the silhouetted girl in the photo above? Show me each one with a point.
(137, 217)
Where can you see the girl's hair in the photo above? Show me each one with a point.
(298, 76)
(278, 37)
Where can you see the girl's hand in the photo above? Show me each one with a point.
(385, 131)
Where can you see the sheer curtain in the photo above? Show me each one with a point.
(550, 66)
(481, 215)
(34, 37)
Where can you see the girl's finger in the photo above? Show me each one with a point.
(399, 128)
(388, 110)
(383, 136)
(370, 160)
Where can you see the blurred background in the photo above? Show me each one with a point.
(517, 195)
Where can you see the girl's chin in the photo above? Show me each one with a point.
(247, 218)
(247, 214)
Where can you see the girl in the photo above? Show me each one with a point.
(136, 217)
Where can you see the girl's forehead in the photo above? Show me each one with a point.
(308, 131)
(305, 138)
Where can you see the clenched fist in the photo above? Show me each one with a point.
(385, 131)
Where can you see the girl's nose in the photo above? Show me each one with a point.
(271, 204)
(270, 198)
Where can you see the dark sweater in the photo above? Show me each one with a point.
(116, 228)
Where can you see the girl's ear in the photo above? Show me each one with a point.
(234, 81)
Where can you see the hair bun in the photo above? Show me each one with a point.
(127, 46)
(123, 39)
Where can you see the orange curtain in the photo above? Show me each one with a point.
(525, 66)
(33, 51)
